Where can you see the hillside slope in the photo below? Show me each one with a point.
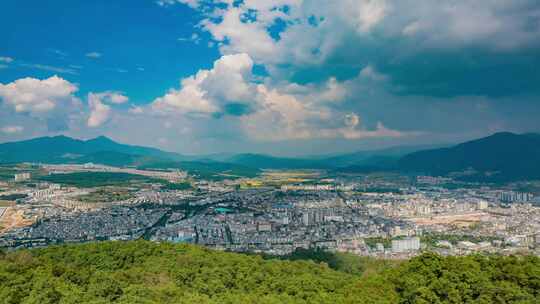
(367, 157)
(65, 149)
(146, 272)
(499, 157)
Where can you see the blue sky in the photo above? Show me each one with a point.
(285, 77)
(129, 35)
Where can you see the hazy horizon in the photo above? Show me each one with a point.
(201, 155)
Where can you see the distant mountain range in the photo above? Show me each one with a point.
(103, 150)
(63, 149)
(272, 162)
(379, 158)
(499, 157)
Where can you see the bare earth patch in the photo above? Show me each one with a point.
(13, 218)
(451, 219)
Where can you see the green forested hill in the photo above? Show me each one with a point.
(63, 149)
(146, 272)
(501, 157)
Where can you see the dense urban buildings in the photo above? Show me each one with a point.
(382, 215)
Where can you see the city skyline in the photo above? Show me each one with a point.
(287, 78)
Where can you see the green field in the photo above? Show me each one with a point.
(177, 186)
(372, 242)
(98, 179)
(106, 195)
(12, 197)
(146, 272)
(7, 173)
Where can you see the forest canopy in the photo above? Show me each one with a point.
(147, 272)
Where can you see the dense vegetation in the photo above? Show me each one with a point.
(344, 262)
(7, 173)
(177, 186)
(372, 242)
(12, 197)
(110, 194)
(432, 239)
(98, 179)
(145, 272)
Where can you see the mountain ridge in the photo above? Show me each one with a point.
(61, 148)
(55, 148)
(502, 156)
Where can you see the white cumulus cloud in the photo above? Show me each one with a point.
(208, 90)
(100, 113)
(275, 110)
(112, 97)
(319, 31)
(100, 109)
(35, 96)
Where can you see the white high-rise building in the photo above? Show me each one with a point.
(406, 245)
(19, 177)
(481, 205)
